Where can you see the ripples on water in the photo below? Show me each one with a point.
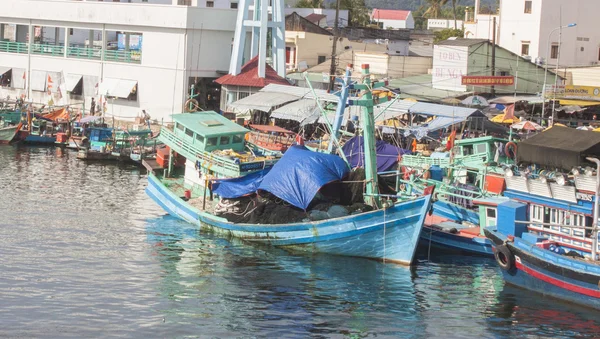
(84, 253)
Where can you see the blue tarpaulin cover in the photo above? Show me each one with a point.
(238, 187)
(387, 155)
(300, 173)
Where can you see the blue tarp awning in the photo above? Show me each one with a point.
(387, 155)
(300, 173)
(295, 178)
(238, 187)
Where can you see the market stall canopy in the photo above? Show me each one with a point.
(501, 119)
(580, 103)
(527, 126)
(475, 100)
(507, 100)
(304, 111)
(261, 101)
(89, 119)
(559, 147)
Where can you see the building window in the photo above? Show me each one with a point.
(598, 54)
(525, 48)
(554, 52)
(233, 5)
(527, 7)
(210, 4)
(321, 59)
(70, 31)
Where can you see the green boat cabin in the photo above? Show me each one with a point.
(209, 131)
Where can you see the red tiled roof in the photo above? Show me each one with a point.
(390, 14)
(249, 76)
(314, 17)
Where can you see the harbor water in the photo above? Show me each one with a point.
(85, 254)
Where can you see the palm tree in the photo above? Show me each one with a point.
(435, 6)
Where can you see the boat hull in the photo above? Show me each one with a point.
(545, 272)
(7, 134)
(456, 242)
(390, 235)
(38, 139)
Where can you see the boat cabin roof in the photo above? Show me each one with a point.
(486, 139)
(208, 124)
(269, 128)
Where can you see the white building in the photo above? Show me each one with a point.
(141, 55)
(531, 28)
(393, 18)
(439, 24)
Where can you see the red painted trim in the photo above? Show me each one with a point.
(557, 282)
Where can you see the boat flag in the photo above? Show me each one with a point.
(24, 75)
(451, 138)
(509, 112)
(299, 140)
(49, 86)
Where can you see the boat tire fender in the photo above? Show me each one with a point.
(504, 257)
(511, 150)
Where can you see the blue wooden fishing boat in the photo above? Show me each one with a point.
(546, 239)
(469, 182)
(215, 175)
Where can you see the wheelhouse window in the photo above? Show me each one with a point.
(224, 140)
(199, 138)
(237, 139)
(189, 132)
(179, 126)
(211, 141)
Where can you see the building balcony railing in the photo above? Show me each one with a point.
(84, 53)
(134, 57)
(54, 50)
(13, 47)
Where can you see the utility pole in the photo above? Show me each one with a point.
(493, 89)
(334, 47)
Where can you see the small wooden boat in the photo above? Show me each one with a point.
(7, 134)
(270, 139)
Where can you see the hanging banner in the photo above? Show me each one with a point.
(485, 80)
(589, 93)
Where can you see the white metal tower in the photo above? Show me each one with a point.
(265, 14)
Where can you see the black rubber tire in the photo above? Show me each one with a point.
(504, 257)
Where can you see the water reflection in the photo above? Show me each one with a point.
(84, 253)
(269, 291)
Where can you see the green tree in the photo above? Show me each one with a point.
(358, 13)
(447, 33)
(434, 8)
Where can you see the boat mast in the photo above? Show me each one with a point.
(595, 221)
(368, 130)
(341, 107)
